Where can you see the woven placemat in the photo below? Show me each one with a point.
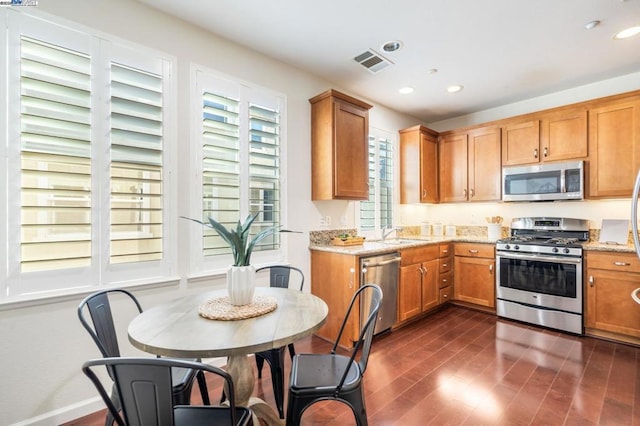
(220, 308)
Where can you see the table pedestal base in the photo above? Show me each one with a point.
(240, 369)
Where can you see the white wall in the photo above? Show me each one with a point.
(42, 347)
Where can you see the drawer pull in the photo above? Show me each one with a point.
(444, 265)
(618, 263)
(473, 251)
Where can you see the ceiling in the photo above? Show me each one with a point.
(501, 51)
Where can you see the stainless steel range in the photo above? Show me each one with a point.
(539, 272)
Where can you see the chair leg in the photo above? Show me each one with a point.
(292, 350)
(277, 380)
(202, 384)
(259, 364)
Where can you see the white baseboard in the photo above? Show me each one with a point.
(65, 414)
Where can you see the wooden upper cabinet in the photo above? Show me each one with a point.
(521, 143)
(470, 166)
(563, 135)
(484, 168)
(418, 165)
(557, 135)
(614, 148)
(453, 168)
(339, 147)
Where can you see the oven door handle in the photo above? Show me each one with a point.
(553, 259)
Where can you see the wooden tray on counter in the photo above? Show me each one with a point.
(351, 241)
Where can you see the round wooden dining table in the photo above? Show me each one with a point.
(176, 329)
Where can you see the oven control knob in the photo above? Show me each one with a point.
(508, 247)
(516, 247)
(555, 249)
(566, 250)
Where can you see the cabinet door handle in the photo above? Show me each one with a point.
(535, 153)
(424, 193)
(592, 281)
(353, 273)
(472, 192)
(618, 263)
(491, 269)
(473, 251)
(464, 193)
(546, 151)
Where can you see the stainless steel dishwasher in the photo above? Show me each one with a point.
(382, 270)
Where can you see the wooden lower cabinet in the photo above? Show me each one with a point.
(335, 278)
(610, 279)
(474, 274)
(419, 287)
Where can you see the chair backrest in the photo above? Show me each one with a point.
(280, 275)
(370, 298)
(145, 389)
(101, 327)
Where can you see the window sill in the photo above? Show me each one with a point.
(73, 294)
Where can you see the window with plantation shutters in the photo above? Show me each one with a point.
(240, 162)
(377, 211)
(55, 135)
(87, 120)
(220, 167)
(136, 165)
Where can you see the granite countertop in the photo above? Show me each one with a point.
(377, 246)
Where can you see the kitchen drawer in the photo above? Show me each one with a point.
(445, 295)
(445, 250)
(624, 262)
(413, 255)
(445, 280)
(445, 264)
(475, 250)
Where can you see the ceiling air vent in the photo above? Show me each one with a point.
(372, 61)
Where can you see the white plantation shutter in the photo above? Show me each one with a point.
(241, 136)
(136, 165)
(220, 167)
(378, 209)
(86, 158)
(264, 171)
(55, 132)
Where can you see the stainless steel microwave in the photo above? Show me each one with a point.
(544, 182)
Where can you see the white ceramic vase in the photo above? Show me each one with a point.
(241, 283)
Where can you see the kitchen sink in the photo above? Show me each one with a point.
(396, 241)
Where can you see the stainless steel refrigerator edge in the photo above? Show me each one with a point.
(382, 270)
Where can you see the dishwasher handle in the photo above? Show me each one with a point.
(366, 264)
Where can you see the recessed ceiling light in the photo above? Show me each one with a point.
(629, 32)
(432, 71)
(392, 46)
(455, 88)
(591, 25)
(406, 90)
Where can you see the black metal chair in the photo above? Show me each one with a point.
(279, 276)
(317, 377)
(145, 390)
(95, 316)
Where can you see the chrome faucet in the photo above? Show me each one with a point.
(388, 231)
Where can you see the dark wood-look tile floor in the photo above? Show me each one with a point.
(462, 367)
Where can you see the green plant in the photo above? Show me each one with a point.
(239, 238)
